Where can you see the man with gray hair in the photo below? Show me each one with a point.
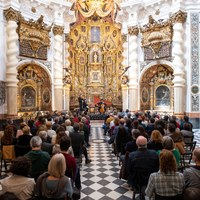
(141, 163)
(39, 158)
(46, 146)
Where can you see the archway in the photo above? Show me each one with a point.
(34, 88)
(156, 89)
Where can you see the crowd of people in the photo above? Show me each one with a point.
(48, 156)
(150, 149)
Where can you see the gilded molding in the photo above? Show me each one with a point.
(58, 30)
(179, 17)
(133, 30)
(124, 38)
(11, 14)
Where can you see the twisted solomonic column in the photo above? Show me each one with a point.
(12, 52)
(58, 67)
(179, 68)
(133, 70)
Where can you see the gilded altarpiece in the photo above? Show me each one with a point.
(157, 89)
(95, 48)
(34, 89)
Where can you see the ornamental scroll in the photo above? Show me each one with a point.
(87, 8)
(157, 39)
(33, 38)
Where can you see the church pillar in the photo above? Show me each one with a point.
(12, 52)
(67, 96)
(179, 68)
(58, 67)
(125, 63)
(124, 97)
(133, 70)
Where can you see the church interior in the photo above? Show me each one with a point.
(103, 58)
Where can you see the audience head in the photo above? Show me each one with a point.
(122, 121)
(21, 166)
(76, 126)
(116, 121)
(43, 135)
(156, 136)
(196, 156)
(171, 127)
(141, 142)
(48, 125)
(60, 129)
(26, 130)
(8, 196)
(135, 133)
(191, 193)
(167, 162)
(68, 122)
(187, 127)
(8, 135)
(65, 143)
(168, 143)
(152, 120)
(160, 129)
(22, 124)
(135, 124)
(57, 166)
(186, 118)
(35, 142)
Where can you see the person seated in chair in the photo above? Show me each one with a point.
(18, 182)
(167, 182)
(192, 174)
(141, 163)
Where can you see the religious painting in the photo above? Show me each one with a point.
(28, 97)
(162, 96)
(96, 76)
(46, 96)
(145, 95)
(95, 34)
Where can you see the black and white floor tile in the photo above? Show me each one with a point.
(100, 179)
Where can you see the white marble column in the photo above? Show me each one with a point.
(125, 63)
(12, 52)
(133, 70)
(58, 67)
(124, 97)
(179, 67)
(67, 96)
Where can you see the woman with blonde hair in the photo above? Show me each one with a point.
(54, 184)
(155, 142)
(167, 183)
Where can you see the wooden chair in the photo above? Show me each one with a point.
(187, 156)
(188, 139)
(7, 155)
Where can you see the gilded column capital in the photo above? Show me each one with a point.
(58, 30)
(133, 30)
(179, 17)
(11, 14)
(124, 38)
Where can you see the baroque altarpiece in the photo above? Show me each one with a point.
(95, 49)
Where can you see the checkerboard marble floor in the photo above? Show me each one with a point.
(100, 179)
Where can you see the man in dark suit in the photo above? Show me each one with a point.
(80, 101)
(141, 163)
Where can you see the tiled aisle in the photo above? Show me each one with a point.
(100, 178)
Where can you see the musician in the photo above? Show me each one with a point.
(101, 106)
(85, 105)
(80, 101)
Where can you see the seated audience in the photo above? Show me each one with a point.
(72, 170)
(186, 132)
(18, 182)
(8, 136)
(19, 131)
(192, 174)
(167, 182)
(40, 159)
(191, 193)
(155, 142)
(141, 164)
(54, 184)
(25, 138)
(168, 144)
(50, 132)
(8, 195)
(46, 146)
